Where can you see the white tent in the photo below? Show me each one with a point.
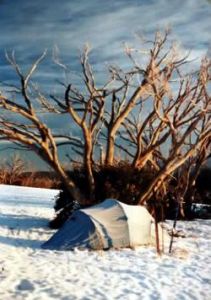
(110, 224)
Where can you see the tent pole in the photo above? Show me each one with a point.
(157, 232)
(173, 228)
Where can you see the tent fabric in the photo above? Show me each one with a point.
(139, 223)
(77, 232)
(110, 224)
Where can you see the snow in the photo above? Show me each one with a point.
(28, 272)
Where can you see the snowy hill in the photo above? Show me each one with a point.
(28, 272)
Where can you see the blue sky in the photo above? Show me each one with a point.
(29, 27)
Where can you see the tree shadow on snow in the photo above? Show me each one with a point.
(22, 222)
(17, 223)
(21, 242)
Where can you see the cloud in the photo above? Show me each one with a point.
(35, 25)
(32, 26)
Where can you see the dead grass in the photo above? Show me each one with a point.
(14, 172)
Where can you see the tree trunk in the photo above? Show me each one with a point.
(53, 161)
(88, 149)
(110, 150)
(68, 183)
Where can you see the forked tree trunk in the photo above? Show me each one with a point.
(88, 164)
(115, 125)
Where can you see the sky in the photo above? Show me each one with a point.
(28, 27)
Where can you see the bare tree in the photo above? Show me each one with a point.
(31, 132)
(179, 119)
(191, 113)
(86, 110)
(153, 112)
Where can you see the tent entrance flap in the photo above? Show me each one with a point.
(78, 232)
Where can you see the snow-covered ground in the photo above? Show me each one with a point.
(28, 272)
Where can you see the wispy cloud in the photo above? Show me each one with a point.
(32, 26)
